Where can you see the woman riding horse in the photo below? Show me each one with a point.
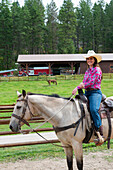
(92, 85)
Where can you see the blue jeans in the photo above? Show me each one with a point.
(94, 97)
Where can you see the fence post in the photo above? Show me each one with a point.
(74, 76)
(46, 77)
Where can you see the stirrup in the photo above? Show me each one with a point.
(97, 142)
(100, 140)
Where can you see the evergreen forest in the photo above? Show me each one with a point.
(35, 29)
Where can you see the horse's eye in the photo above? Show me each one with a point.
(18, 107)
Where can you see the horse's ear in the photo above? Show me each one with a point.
(18, 93)
(23, 93)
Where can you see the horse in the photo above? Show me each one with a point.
(60, 112)
(52, 81)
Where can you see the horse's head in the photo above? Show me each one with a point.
(21, 112)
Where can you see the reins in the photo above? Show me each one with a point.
(33, 130)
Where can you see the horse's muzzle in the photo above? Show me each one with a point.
(14, 127)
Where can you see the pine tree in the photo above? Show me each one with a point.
(84, 26)
(26, 30)
(98, 23)
(67, 28)
(16, 29)
(51, 29)
(109, 27)
(36, 23)
(5, 35)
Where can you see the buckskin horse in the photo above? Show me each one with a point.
(64, 115)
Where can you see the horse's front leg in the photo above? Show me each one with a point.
(78, 150)
(69, 155)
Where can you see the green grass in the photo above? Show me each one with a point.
(8, 89)
(30, 152)
(44, 151)
(64, 89)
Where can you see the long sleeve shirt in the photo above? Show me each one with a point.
(92, 78)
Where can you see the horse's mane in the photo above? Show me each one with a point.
(52, 95)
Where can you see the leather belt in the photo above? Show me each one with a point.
(90, 89)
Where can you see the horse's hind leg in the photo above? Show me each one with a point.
(69, 156)
(77, 147)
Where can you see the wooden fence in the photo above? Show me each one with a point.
(42, 78)
(5, 115)
(56, 77)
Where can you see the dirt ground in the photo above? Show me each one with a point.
(92, 161)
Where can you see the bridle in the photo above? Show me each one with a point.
(21, 118)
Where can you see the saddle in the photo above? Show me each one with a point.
(106, 107)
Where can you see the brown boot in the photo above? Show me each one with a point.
(100, 140)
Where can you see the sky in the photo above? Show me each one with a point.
(58, 2)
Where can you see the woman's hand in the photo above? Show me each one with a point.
(81, 85)
(74, 91)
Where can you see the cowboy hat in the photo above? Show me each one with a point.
(91, 53)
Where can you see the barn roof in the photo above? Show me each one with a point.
(59, 57)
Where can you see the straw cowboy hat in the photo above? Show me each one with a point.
(91, 53)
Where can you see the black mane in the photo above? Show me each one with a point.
(52, 95)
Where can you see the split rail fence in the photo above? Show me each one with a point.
(5, 115)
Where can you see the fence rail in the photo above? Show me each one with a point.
(41, 77)
(56, 77)
(5, 115)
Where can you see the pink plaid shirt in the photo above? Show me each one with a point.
(92, 78)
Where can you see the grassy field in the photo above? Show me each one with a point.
(64, 89)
